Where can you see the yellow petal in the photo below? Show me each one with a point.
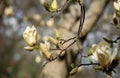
(53, 6)
(30, 35)
(114, 53)
(116, 5)
(103, 53)
(29, 48)
(44, 49)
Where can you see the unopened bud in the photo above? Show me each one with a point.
(57, 33)
(44, 50)
(51, 7)
(53, 40)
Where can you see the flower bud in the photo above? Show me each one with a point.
(53, 40)
(54, 5)
(30, 35)
(57, 33)
(44, 50)
(51, 7)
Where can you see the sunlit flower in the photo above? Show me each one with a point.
(103, 54)
(30, 35)
(116, 4)
(44, 50)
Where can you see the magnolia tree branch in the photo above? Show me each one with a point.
(82, 17)
(60, 69)
(93, 14)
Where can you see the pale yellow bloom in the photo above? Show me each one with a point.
(116, 5)
(30, 35)
(44, 50)
(103, 54)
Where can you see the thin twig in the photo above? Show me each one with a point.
(64, 6)
(67, 47)
(55, 49)
(82, 18)
(115, 41)
(62, 50)
(78, 45)
(67, 40)
(88, 64)
(85, 56)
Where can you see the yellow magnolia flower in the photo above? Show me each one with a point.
(44, 50)
(30, 35)
(103, 55)
(116, 4)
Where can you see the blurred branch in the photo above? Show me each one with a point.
(82, 17)
(3, 4)
(93, 14)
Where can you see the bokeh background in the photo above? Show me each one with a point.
(15, 15)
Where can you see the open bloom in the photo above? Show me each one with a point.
(103, 55)
(116, 4)
(30, 35)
